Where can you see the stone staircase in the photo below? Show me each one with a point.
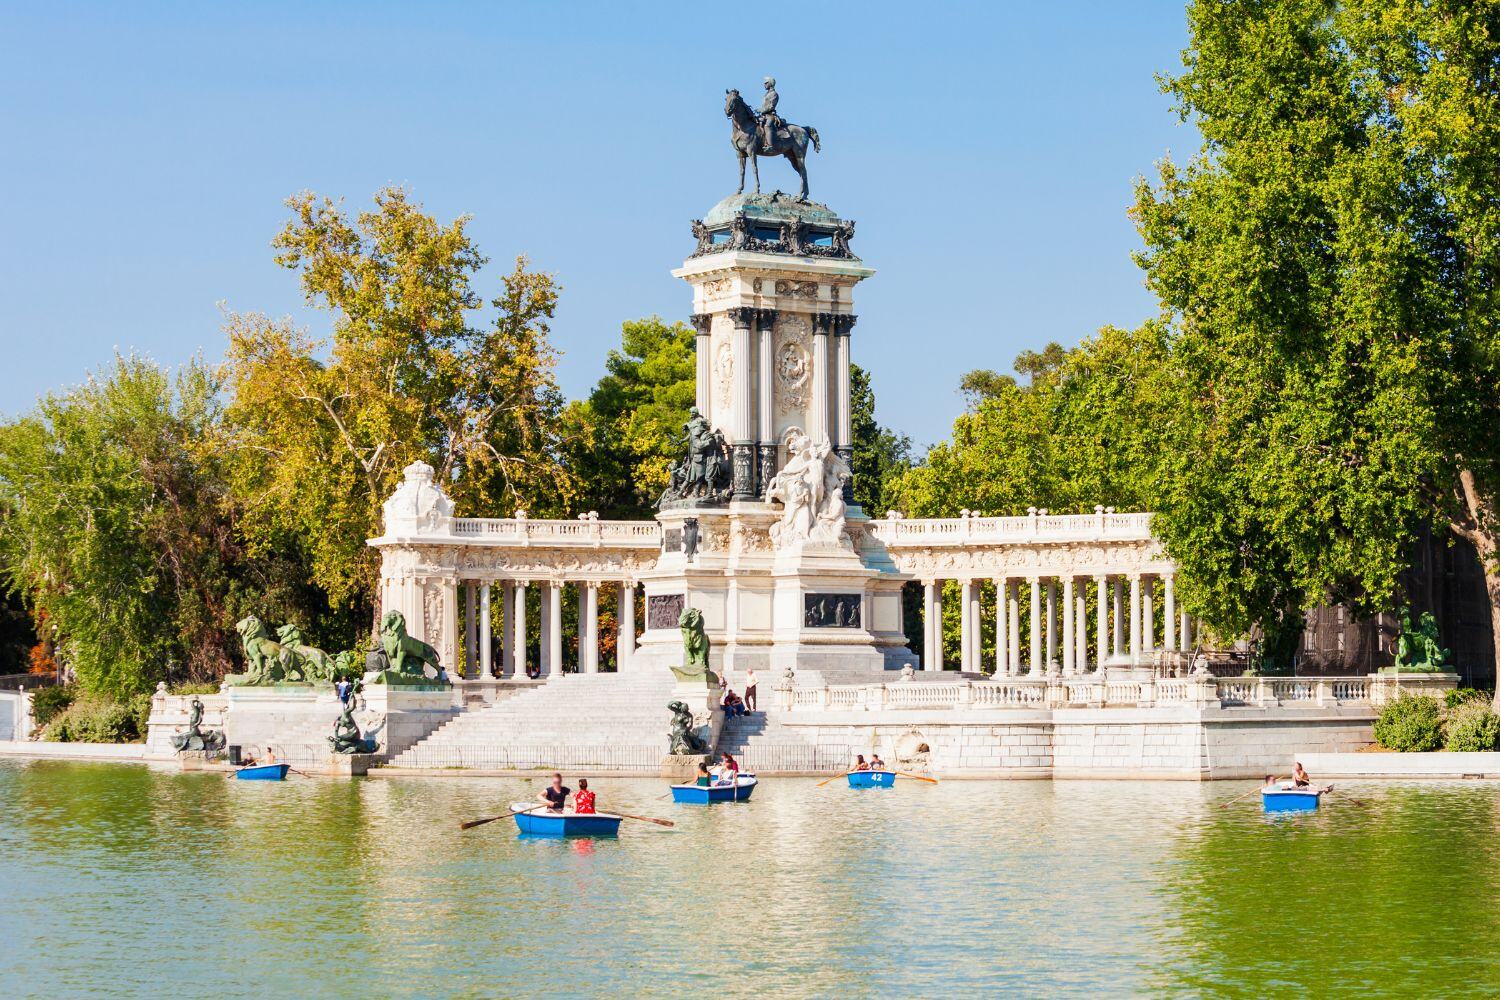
(764, 745)
(615, 722)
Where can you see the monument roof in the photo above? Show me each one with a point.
(776, 207)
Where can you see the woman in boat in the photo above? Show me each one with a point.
(583, 799)
(729, 769)
(555, 794)
(859, 763)
(1300, 778)
(704, 778)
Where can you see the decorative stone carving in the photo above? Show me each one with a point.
(831, 610)
(683, 735)
(797, 289)
(744, 539)
(810, 489)
(792, 369)
(400, 659)
(663, 610)
(702, 476)
(419, 505)
(196, 738)
(714, 288)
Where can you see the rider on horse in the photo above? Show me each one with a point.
(769, 121)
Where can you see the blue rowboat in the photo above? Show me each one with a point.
(540, 821)
(263, 772)
(1289, 799)
(698, 795)
(872, 779)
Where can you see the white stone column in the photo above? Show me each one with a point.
(1081, 626)
(555, 630)
(471, 630)
(1049, 665)
(486, 643)
(1069, 631)
(1101, 625)
(817, 412)
(1013, 600)
(547, 661)
(1187, 633)
(704, 346)
(1036, 628)
(519, 625)
(507, 629)
(1119, 602)
(932, 607)
(966, 625)
(1169, 614)
(1135, 619)
(625, 644)
(1002, 633)
(845, 421)
(590, 631)
(1148, 615)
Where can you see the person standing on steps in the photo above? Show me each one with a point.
(750, 680)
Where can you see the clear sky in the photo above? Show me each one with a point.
(986, 151)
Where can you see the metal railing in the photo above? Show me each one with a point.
(787, 758)
(645, 758)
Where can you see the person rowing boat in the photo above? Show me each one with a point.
(555, 795)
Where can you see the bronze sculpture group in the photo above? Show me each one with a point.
(702, 475)
(766, 134)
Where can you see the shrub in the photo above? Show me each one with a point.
(195, 687)
(47, 702)
(1411, 724)
(1462, 696)
(1473, 728)
(94, 720)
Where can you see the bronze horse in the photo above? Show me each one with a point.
(746, 140)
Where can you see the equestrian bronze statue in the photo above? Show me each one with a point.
(767, 135)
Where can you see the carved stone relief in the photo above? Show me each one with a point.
(797, 289)
(663, 610)
(723, 376)
(831, 610)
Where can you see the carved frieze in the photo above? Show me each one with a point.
(831, 610)
(663, 610)
(797, 289)
(723, 376)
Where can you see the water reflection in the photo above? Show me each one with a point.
(149, 880)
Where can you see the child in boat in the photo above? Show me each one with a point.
(1300, 778)
(859, 763)
(704, 779)
(583, 799)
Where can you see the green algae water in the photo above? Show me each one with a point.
(130, 881)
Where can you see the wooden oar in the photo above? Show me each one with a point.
(836, 777)
(1346, 795)
(919, 777)
(647, 819)
(480, 822)
(1250, 792)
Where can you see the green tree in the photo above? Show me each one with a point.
(622, 440)
(324, 428)
(1328, 266)
(115, 527)
(880, 455)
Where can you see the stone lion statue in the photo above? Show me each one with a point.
(399, 653)
(684, 734)
(303, 662)
(264, 656)
(695, 648)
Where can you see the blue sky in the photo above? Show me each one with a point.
(986, 150)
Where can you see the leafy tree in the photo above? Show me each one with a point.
(1328, 266)
(324, 428)
(116, 528)
(880, 454)
(622, 440)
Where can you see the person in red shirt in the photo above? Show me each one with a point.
(583, 799)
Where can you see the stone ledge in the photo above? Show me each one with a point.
(1401, 765)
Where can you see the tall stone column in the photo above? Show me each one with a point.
(765, 411)
(1148, 615)
(1013, 600)
(1081, 619)
(508, 629)
(1135, 619)
(966, 625)
(1119, 601)
(842, 326)
(471, 629)
(625, 645)
(591, 627)
(817, 412)
(1049, 665)
(548, 662)
(702, 323)
(519, 620)
(742, 423)
(1002, 634)
(1101, 626)
(1169, 614)
(1036, 627)
(486, 645)
(1187, 632)
(555, 628)
(932, 624)
(1069, 632)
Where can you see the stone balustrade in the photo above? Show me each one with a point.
(588, 532)
(1100, 690)
(1037, 526)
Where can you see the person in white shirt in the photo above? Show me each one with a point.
(750, 689)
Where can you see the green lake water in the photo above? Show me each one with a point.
(126, 880)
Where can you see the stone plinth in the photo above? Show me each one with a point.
(682, 768)
(348, 765)
(407, 714)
